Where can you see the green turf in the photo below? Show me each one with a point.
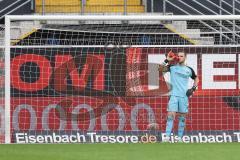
(158, 151)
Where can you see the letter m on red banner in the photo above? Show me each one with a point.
(65, 65)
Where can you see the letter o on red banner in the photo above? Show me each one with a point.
(44, 77)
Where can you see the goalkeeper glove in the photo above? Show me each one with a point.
(191, 91)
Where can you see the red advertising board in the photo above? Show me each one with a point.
(96, 94)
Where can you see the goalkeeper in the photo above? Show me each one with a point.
(178, 102)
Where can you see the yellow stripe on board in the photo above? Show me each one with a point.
(181, 35)
(24, 36)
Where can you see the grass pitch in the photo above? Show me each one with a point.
(158, 151)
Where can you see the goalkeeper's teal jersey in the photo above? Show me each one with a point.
(179, 79)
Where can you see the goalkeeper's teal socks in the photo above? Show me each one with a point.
(181, 125)
(169, 125)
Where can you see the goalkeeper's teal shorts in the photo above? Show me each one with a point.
(178, 104)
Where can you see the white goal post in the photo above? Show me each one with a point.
(225, 32)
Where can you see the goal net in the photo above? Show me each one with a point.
(96, 79)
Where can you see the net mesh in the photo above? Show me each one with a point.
(102, 76)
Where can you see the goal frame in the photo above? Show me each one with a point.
(145, 17)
